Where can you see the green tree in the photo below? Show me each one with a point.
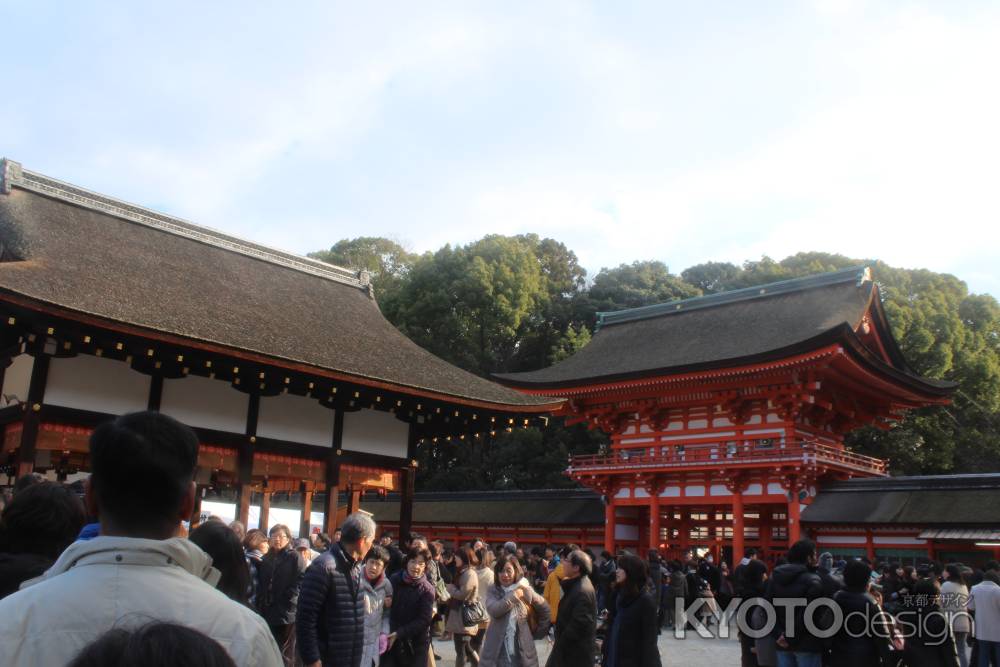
(636, 284)
(387, 261)
(943, 332)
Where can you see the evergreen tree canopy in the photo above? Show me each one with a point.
(511, 303)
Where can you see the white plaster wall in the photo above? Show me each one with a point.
(671, 492)
(753, 490)
(98, 384)
(16, 379)
(636, 441)
(897, 540)
(772, 417)
(775, 488)
(626, 532)
(199, 401)
(839, 539)
(695, 491)
(295, 418)
(719, 490)
(375, 432)
(623, 493)
(721, 421)
(698, 423)
(641, 493)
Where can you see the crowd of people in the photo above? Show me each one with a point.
(104, 573)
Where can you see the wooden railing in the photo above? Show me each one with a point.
(744, 454)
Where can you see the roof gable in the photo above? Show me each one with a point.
(201, 286)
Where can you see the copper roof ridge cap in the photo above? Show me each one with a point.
(12, 174)
(860, 274)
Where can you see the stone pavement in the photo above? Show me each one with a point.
(691, 651)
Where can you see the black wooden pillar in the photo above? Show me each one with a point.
(407, 479)
(244, 462)
(32, 421)
(333, 476)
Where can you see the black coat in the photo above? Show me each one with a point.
(331, 618)
(863, 639)
(410, 618)
(637, 631)
(794, 580)
(15, 569)
(927, 649)
(279, 576)
(576, 625)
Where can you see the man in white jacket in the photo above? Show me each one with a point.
(136, 572)
(984, 599)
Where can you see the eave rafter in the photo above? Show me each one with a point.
(435, 417)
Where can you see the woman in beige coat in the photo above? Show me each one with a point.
(510, 641)
(465, 588)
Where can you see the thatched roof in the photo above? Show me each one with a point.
(91, 255)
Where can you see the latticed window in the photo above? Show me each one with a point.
(699, 533)
(779, 532)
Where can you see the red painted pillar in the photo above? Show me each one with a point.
(609, 526)
(794, 526)
(737, 528)
(869, 545)
(654, 522)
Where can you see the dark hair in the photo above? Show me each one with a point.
(378, 553)
(857, 574)
(324, 539)
(221, 543)
(283, 528)
(142, 465)
(42, 519)
(154, 645)
(498, 568)
(255, 537)
(801, 551)
(750, 552)
(416, 553)
(27, 481)
(928, 588)
(636, 572)
(468, 556)
(582, 561)
(954, 573)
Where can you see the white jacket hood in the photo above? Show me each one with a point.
(136, 551)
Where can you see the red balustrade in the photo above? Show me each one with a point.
(722, 455)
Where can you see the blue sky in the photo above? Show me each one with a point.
(683, 132)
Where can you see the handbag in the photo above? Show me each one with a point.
(473, 613)
(441, 591)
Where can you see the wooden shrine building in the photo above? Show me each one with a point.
(727, 411)
(283, 365)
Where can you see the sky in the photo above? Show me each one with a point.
(674, 131)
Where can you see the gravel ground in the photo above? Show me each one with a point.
(691, 651)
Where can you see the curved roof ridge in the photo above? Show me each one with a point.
(858, 274)
(12, 174)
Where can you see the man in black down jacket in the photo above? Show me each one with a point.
(331, 618)
(280, 574)
(798, 580)
(862, 641)
(576, 622)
